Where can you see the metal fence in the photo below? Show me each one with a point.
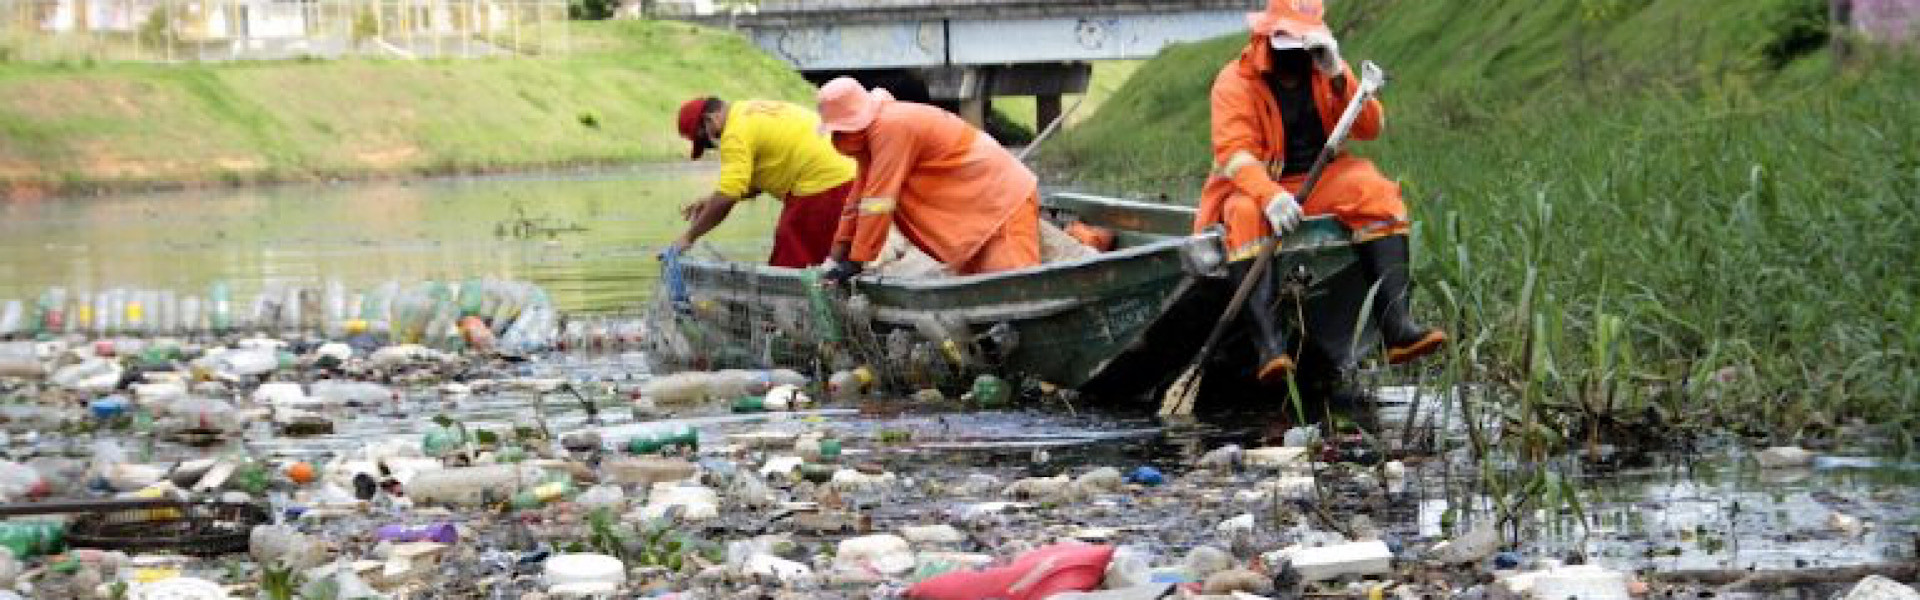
(218, 30)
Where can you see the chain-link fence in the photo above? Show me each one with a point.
(218, 30)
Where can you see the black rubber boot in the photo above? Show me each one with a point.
(1386, 259)
(1269, 336)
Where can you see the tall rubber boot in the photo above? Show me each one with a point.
(1386, 260)
(1269, 337)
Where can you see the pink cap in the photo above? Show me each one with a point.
(845, 106)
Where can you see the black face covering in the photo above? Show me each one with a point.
(1304, 132)
(1295, 62)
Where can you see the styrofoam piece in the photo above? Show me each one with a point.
(1275, 457)
(281, 393)
(585, 568)
(1782, 457)
(1876, 587)
(697, 502)
(767, 565)
(884, 553)
(1340, 560)
(179, 588)
(1586, 582)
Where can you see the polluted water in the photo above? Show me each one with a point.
(464, 440)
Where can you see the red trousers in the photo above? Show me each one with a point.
(807, 224)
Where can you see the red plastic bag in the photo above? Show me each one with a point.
(1033, 576)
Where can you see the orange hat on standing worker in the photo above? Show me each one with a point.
(1295, 18)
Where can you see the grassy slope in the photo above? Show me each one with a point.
(131, 123)
(1625, 207)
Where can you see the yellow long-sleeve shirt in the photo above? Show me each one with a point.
(776, 147)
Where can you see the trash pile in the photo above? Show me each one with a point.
(482, 314)
(194, 467)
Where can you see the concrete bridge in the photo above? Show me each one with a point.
(961, 53)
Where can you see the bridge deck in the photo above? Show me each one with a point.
(774, 14)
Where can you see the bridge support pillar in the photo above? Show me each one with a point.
(1046, 108)
(974, 110)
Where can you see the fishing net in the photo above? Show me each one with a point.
(738, 316)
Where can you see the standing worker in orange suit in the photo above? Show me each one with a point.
(950, 188)
(773, 147)
(1273, 107)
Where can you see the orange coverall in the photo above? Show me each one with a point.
(952, 190)
(1249, 146)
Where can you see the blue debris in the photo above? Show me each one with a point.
(1506, 560)
(1146, 476)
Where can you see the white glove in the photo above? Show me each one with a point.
(1283, 213)
(1325, 51)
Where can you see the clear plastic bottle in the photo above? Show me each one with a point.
(336, 310)
(135, 313)
(12, 319)
(80, 311)
(53, 310)
(190, 316)
(219, 307)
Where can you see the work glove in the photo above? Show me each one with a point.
(840, 271)
(1283, 212)
(674, 280)
(1325, 52)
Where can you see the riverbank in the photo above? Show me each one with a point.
(1632, 216)
(73, 128)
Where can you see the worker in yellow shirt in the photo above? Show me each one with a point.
(776, 148)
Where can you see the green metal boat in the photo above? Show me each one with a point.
(1118, 327)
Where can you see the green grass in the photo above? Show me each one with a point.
(1108, 77)
(612, 99)
(1629, 212)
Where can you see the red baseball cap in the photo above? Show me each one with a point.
(690, 124)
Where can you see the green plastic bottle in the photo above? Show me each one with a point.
(440, 441)
(220, 307)
(472, 295)
(542, 494)
(252, 477)
(28, 539)
(990, 391)
(750, 404)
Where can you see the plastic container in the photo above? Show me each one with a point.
(445, 533)
(108, 407)
(473, 486)
(989, 391)
(27, 539)
(585, 570)
(656, 439)
(440, 441)
(478, 336)
(219, 307)
(20, 359)
(334, 391)
(750, 404)
(12, 319)
(544, 493)
(53, 310)
(850, 384)
(203, 414)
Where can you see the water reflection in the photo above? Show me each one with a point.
(589, 239)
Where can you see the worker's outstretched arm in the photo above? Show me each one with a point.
(708, 216)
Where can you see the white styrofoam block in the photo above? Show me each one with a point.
(1336, 561)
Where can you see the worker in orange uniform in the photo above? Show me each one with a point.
(1273, 107)
(773, 147)
(950, 188)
